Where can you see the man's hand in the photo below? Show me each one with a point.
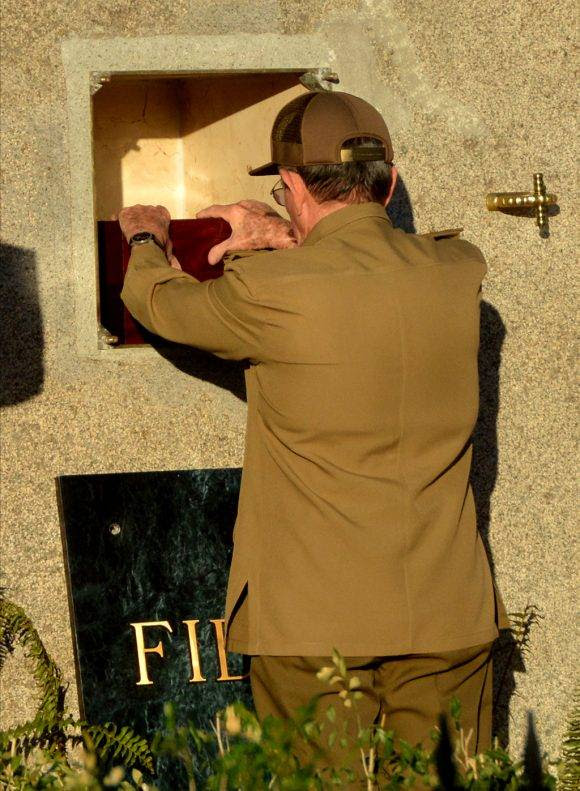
(255, 225)
(154, 219)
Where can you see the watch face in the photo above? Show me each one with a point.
(141, 236)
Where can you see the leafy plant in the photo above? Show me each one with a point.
(569, 774)
(260, 756)
(17, 629)
(49, 769)
(40, 745)
(238, 752)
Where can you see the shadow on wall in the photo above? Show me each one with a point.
(399, 209)
(21, 335)
(506, 656)
(227, 374)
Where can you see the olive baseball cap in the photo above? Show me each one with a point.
(311, 129)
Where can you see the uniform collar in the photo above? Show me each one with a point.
(337, 219)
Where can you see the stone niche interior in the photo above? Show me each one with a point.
(185, 141)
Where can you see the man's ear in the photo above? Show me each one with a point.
(291, 178)
(296, 184)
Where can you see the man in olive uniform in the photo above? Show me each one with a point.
(356, 525)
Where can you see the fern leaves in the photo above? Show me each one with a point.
(569, 774)
(17, 629)
(49, 729)
(123, 744)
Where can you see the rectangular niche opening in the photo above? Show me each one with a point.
(185, 141)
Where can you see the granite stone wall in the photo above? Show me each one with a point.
(478, 96)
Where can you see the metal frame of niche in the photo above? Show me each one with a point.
(89, 64)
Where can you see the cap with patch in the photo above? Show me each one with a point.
(311, 130)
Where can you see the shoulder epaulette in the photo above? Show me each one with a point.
(448, 233)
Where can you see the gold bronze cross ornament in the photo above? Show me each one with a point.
(525, 203)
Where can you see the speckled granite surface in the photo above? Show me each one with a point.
(478, 97)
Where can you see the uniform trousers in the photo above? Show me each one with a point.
(410, 690)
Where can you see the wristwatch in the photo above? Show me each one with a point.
(142, 237)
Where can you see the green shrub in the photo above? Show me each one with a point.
(260, 756)
(238, 752)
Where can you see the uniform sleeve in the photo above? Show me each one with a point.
(220, 316)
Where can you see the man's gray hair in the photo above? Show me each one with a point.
(351, 182)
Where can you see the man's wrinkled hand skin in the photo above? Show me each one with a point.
(255, 225)
(154, 219)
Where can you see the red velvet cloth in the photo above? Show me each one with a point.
(192, 241)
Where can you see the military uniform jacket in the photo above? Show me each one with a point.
(356, 526)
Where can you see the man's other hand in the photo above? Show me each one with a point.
(154, 219)
(255, 225)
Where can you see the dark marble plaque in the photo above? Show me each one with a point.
(150, 547)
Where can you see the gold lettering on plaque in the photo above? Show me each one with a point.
(142, 651)
(218, 625)
(194, 651)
